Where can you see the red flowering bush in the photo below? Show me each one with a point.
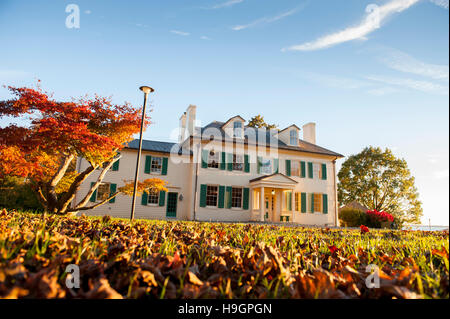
(375, 218)
(364, 229)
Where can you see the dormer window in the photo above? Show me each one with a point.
(237, 129)
(293, 137)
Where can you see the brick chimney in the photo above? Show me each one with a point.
(309, 133)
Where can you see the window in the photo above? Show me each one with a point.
(297, 201)
(213, 159)
(211, 195)
(293, 137)
(238, 162)
(266, 166)
(288, 200)
(153, 197)
(237, 129)
(317, 202)
(103, 191)
(256, 199)
(295, 168)
(156, 165)
(236, 197)
(322, 174)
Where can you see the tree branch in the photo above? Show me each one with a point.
(93, 206)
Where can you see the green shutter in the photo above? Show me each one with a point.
(162, 198)
(310, 170)
(228, 197)
(94, 194)
(148, 164)
(230, 161)
(289, 201)
(144, 198)
(259, 164)
(245, 200)
(302, 169)
(288, 167)
(246, 164)
(221, 196)
(223, 161)
(325, 203)
(205, 158)
(112, 190)
(165, 163)
(115, 166)
(275, 165)
(312, 202)
(203, 195)
(324, 171)
(303, 202)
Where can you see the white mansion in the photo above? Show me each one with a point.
(226, 171)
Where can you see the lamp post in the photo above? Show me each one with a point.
(146, 90)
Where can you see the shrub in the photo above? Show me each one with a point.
(352, 217)
(376, 219)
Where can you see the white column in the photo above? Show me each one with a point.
(261, 204)
(292, 205)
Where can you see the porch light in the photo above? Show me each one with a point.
(273, 192)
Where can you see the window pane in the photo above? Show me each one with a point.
(266, 166)
(317, 202)
(237, 129)
(236, 197)
(295, 168)
(153, 197)
(103, 191)
(293, 137)
(238, 162)
(211, 195)
(297, 202)
(156, 165)
(213, 159)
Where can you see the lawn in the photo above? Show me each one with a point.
(173, 259)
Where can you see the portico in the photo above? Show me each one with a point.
(272, 198)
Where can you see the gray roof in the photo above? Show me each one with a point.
(157, 146)
(218, 132)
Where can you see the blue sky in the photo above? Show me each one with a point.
(367, 75)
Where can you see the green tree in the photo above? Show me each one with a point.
(379, 180)
(258, 122)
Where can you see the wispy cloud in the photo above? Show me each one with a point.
(424, 86)
(441, 3)
(13, 74)
(403, 62)
(204, 37)
(372, 21)
(382, 91)
(226, 4)
(266, 19)
(441, 174)
(180, 32)
(334, 81)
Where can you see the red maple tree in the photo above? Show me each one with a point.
(43, 150)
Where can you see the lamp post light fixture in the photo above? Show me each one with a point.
(146, 90)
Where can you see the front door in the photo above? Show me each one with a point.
(172, 201)
(269, 207)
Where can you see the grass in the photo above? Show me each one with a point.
(175, 259)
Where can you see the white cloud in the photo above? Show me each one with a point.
(403, 62)
(265, 20)
(13, 74)
(441, 174)
(382, 91)
(442, 3)
(88, 11)
(225, 4)
(375, 16)
(180, 32)
(424, 86)
(204, 37)
(334, 81)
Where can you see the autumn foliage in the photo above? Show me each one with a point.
(44, 150)
(174, 259)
